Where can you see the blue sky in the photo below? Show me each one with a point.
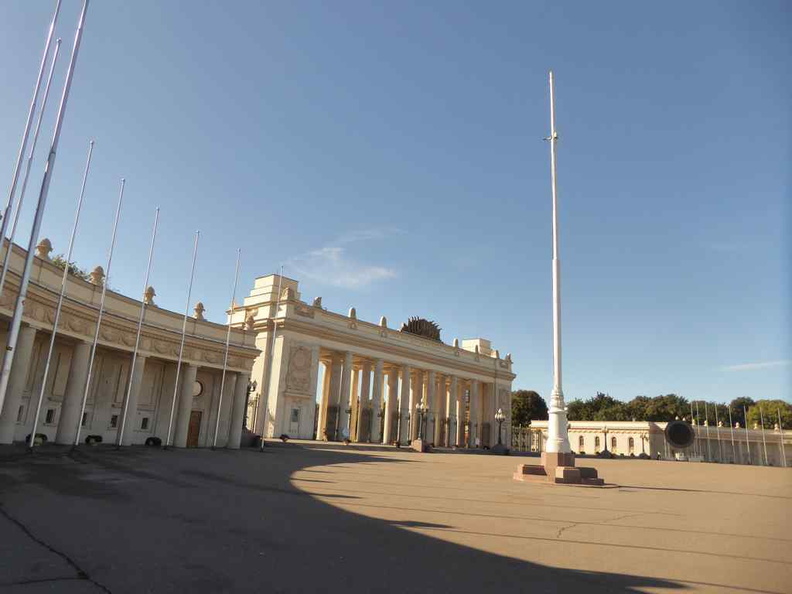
(390, 156)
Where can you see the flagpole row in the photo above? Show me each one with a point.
(59, 306)
(225, 357)
(181, 346)
(28, 165)
(16, 320)
(28, 122)
(120, 436)
(101, 313)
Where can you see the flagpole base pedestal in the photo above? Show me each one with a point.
(558, 468)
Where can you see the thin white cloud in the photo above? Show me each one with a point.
(368, 234)
(332, 266)
(758, 365)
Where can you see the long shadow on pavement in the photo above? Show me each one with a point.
(143, 520)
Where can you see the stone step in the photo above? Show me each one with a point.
(534, 469)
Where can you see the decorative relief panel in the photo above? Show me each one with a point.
(301, 309)
(299, 374)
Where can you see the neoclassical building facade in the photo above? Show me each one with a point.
(332, 376)
(151, 397)
(633, 438)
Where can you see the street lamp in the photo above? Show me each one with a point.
(500, 417)
(421, 412)
(251, 387)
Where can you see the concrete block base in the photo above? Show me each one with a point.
(420, 445)
(560, 474)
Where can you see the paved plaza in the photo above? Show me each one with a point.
(310, 517)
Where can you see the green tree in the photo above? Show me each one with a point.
(527, 405)
(74, 270)
(638, 407)
(769, 409)
(577, 410)
(667, 408)
(738, 407)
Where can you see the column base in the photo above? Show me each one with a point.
(559, 468)
(420, 445)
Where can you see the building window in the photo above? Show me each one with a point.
(613, 444)
(596, 444)
(631, 444)
(114, 421)
(84, 420)
(581, 443)
(20, 413)
(144, 423)
(50, 418)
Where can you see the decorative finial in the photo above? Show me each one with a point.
(148, 296)
(43, 249)
(456, 343)
(353, 313)
(317, 302)
(199, 311)
(384, 322)
(497, 354)
(97, 276)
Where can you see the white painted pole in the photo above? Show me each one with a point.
(557, 431)
(225, 356)
(28, 165)
(747, 443)
(764, 442)
(269, 362)
(717, 430)
(120, 435)
(731, 426)
(64, 281)
(706, 429)
(16, 320)
(101, 314)
(26, 134)
(183, 334)
(781, 429)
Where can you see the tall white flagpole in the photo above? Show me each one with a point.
(717, 430)
(706, 429)
(731, 426)
(181, 346)
(16, 320)
(101, 313)
(28, 164)
(764, 442)
(747, 443)
(557, 432)
(120, 436)
(781, 429)
(28, 122)
(225, 356)
(269, 362)
(64, 281)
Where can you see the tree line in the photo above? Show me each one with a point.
(528, 405)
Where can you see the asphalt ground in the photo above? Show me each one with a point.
(310, 517)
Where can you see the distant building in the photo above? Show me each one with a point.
(633, 438)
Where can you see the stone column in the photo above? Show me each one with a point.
(453, 411)
(376, 402)
(16, 383)
(440, 418)
(331, 424)
(344, 403)
(460, 410)
(321, 422)
(238, 410)
(475, 415)
(405, 405)
(390, 405)
(365, 392)
(431, 405)
(417, 397)
(184, 404)
(72, 398)
(136, 381)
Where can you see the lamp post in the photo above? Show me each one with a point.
(421, 412)
(251, 387)
(500, 417)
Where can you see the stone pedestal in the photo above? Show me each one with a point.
(552, 460)
(420, 445)
(560, 469)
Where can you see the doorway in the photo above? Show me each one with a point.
(195, 428)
